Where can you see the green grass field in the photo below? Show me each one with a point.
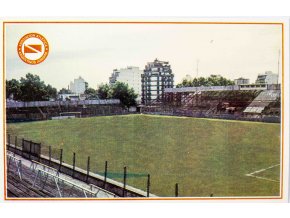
(203, 156)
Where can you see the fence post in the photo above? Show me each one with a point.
(30, 148)
(148, 185)
(15, 141)
(22, 147)
(105, 174)
(88, 168)
(49, 154)
(74, 164)
(39, 152)
(125, 180)
(60, 159)
(176, 190)
(8, 139)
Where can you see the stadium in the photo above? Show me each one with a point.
(219, 141)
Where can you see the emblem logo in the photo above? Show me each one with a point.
(33, 48)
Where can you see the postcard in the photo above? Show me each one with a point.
(190, 109)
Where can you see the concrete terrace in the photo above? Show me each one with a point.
(30, 179)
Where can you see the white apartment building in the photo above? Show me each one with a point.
(78, 86)
(131, 76)
(267, 78)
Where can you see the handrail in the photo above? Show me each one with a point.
(43, 166)
(64, 180)
(103, 190)
(10, 153)
(18, 163)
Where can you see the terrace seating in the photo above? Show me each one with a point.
(62, 187)
(46, 112)
(263, 100)
(11, 159)
(41, 181)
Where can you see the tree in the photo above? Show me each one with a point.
(120, 91)
(86, 85)
(64, 91)
(30, 88)
(126, 95)
(13, 89)
(104, 91)
(213, 80)
(91, 93)
(50, 92)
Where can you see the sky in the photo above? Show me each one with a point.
(92, 51)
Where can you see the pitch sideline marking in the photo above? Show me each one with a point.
(261, 170)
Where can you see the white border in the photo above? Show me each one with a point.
(285, 20)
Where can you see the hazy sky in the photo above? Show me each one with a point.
(94, 50)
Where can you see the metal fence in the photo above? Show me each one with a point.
(72, 164)
(31, 149)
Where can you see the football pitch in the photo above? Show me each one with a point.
(204, 156)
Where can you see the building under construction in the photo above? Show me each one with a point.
(156, 77)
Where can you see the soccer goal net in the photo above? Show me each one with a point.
(70, 114)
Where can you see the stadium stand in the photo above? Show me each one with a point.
(43, 110)
(30, 173)
(264, 99)
(41, 181)
(257, 103)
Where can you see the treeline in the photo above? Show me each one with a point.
(32, 88)
(120, 91)
(212, 80)
(29, 88)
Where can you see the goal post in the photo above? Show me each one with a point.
(70, 114)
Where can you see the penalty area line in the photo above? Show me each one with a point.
(262, 170)
(259, 177)
(259, 171)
